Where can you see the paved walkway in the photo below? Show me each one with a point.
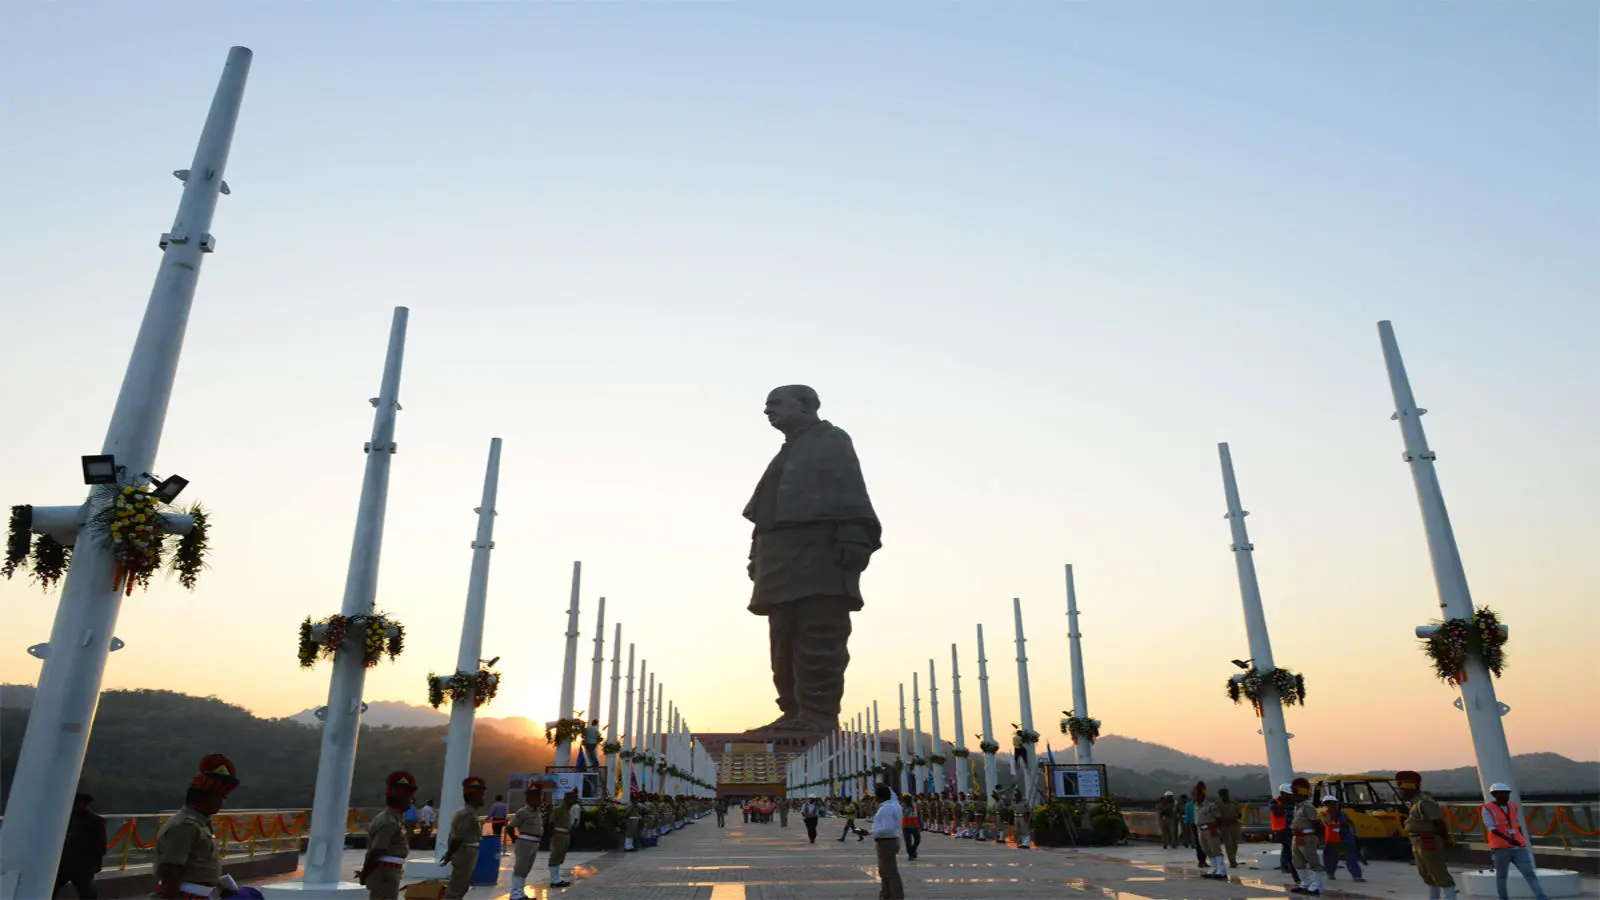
(770, 862)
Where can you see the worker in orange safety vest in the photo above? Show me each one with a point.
(1502, 819)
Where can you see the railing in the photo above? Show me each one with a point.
(131, 839)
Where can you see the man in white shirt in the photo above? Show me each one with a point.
(886, 836)
(428, 816)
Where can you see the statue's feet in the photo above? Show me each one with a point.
(781, 723)
(808, 722)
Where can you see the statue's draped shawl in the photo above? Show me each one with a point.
(821, 483)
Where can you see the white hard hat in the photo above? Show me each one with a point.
(1168, 794)
(1285, 789)
(1330, 799)
(1497, 788)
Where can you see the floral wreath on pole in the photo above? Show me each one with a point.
(1079, 727)
(611, 747)
(128, 519)
(565, 729)
(936, 759)
(960, 752)
(1291, 687)
(482, 685)
(985, 745)
(1448, 647)
(381, 636)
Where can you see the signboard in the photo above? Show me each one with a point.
(588, 784)
(1073, 782)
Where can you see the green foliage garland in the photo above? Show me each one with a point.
(1456, 639)
(569, 729)
(1291, 687)
(1076, 726)
(19, 540)
(376, 641)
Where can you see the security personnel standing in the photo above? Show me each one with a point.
(1430, 836)
(635, 833)
(1503, 820)
(561, 837)
(465, 835)
(526, 828)
(1230, 818)
(387, 844)
(1279, 810)
(188, 864)
(1307, 829)
(1208, 832)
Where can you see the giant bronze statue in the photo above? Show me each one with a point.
(814, 533)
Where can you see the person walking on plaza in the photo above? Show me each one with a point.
(783, 813)
(886, 838)
(1503, 820)
(1188, 828)
(497, 815)
(810, 813)
(1230, 819)
(1167, 818)
(526, 829)
(849, 811)
(464, 838)
(1430, 836)
(910, 825)
(1208, 832)
(1280, 810)
(188, 863)
(722, 811)
(1338, 833)
(387, 841)
(1307, 828)
(561, 838)
(84, 851)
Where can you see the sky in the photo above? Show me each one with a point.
(1037, 258)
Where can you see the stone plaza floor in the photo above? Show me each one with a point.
(770, 862)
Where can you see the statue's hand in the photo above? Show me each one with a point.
(851, 556)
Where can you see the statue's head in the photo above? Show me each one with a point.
(792, 407)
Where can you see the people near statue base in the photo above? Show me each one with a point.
(1230, 819)
(810, 812)
(525, 829)
(1338, 836)
(561, 820)
(1208, 832)
(910, 825)
(1306, 826)
(1430, 836)
(1280, 810)
(84, 848)
(1167, 818)
(886, 830)
(188, 863)
(1508, 843)
(463, 838)
(387, 840)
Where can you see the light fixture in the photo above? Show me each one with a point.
(168, 489)
(1243, 663)
(100, 469)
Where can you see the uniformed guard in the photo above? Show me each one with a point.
(466, 834)
(635, 832)
(1307, 829)
(561, 837)
(1024, 814)
(1208, 829)
(1430, 836)
(188, 864)
(387, 843)
(527, 829)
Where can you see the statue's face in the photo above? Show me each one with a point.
(784, 409)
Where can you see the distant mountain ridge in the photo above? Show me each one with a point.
(398, 714)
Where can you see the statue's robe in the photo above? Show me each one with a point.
(811, 499)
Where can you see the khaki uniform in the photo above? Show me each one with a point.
(1230, 818)
(186, 841)
(387, 835)
(1306, 826)
(528, 823)
(635, 824)
(464, 827)
(560, 834)
(1427, 845)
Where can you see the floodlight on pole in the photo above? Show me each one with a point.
(100, 469)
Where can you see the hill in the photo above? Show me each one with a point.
(146, 743)
(395, 714)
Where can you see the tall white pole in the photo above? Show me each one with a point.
(1080, 692)
(458, 744)
(673, 787)
(612, 735)
(877, 743)
(337, 761)
(1026, 698)
(629, 732)
(647, 728)
(569, 668)
(988, 721)
(1280, 768)
(73, 671)
(1483, 708)
(938, 742)
(592, 714)
(903, 756)
(963, 775)
(916, 734)
(659, 745)
(858, 744)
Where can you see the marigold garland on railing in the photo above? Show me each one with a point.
(1455, 639)
(1291, 687)
(1076, 726)
(377, 639)
(565, 729)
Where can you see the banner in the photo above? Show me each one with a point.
(1074, 782)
